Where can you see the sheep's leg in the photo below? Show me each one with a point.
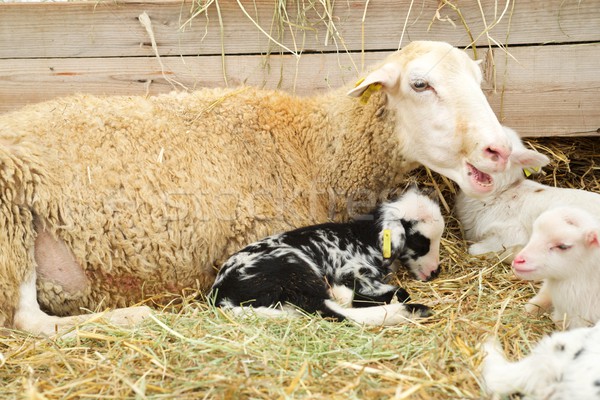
(29, 317)
(534, 376)
(500, 376)
(377, 293)
(503, 377)
(370, 290)
(541, 302)
(389, 314)
(342, 294)
(485, 246)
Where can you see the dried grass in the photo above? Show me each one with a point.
(192, 351)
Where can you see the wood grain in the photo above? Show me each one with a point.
(544, 90)
(112, 29)
(550, 87)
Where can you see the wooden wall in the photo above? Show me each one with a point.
(548, 85)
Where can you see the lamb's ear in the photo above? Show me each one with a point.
(392, 239)
(529, 159)
(591, 239)
(385, 77)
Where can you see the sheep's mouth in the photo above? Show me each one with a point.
(522, 271)
(479, 178)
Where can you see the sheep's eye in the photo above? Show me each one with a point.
(563, 246)
(419, 85)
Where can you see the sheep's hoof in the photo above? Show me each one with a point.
(534, 309)
(419, 310)
(402, 295)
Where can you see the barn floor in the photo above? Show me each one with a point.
(191, 351)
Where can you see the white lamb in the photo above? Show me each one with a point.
(563, 366)
(502, 219)
(564, 251)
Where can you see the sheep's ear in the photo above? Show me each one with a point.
(529, 158)
(391, 241)
(591, 239)
(385, 77)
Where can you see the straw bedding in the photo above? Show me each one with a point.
(190, 351)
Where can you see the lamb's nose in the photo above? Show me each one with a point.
(434, 274)
(497, 154)
(519, 260)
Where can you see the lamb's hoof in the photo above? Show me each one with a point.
(533, 309)
(419, 310)
(402, 295)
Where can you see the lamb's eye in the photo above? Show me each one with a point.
(563, 246)
(419, 85)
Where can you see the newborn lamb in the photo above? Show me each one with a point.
(564, 251)
(502, 219)
(309, 268)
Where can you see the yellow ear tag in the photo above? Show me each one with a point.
(372, 88)
(387, 243)
(530, 171)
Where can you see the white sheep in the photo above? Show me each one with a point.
(564, 252)
(501, 221)
(562, 366)
(107, 201)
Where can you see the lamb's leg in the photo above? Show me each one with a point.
(505, 253)
(484, 247)
(386, 315)
(503, 377)
(541, 302)
(342, 294)
(29, 317)
(377, 294)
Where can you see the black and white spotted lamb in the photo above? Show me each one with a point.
(316, 268)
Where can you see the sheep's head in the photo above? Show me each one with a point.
(563, 239)
(442, 114)
(521, 159)
(417, 225)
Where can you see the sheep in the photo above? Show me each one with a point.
(298, 267)
(562, 366)
(108, 201)
(501, 221)
(564, 252)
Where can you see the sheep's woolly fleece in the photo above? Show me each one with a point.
(116, 179)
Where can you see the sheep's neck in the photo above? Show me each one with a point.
(355, 151)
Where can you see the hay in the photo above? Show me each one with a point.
(191, 351)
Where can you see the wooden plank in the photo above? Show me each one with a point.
(551, 90)
(42, 79)
(112, 29)
(547, 90)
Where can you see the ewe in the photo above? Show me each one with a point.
(501, 221)
(564, 251)
(106, 201)
(298, 268)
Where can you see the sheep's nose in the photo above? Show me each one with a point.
(519, 260)
(497, 154)
(434, 274)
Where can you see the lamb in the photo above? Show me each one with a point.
(502, 220)
(562, 366)
(108, 201)
(564, 251)
(298, 267)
